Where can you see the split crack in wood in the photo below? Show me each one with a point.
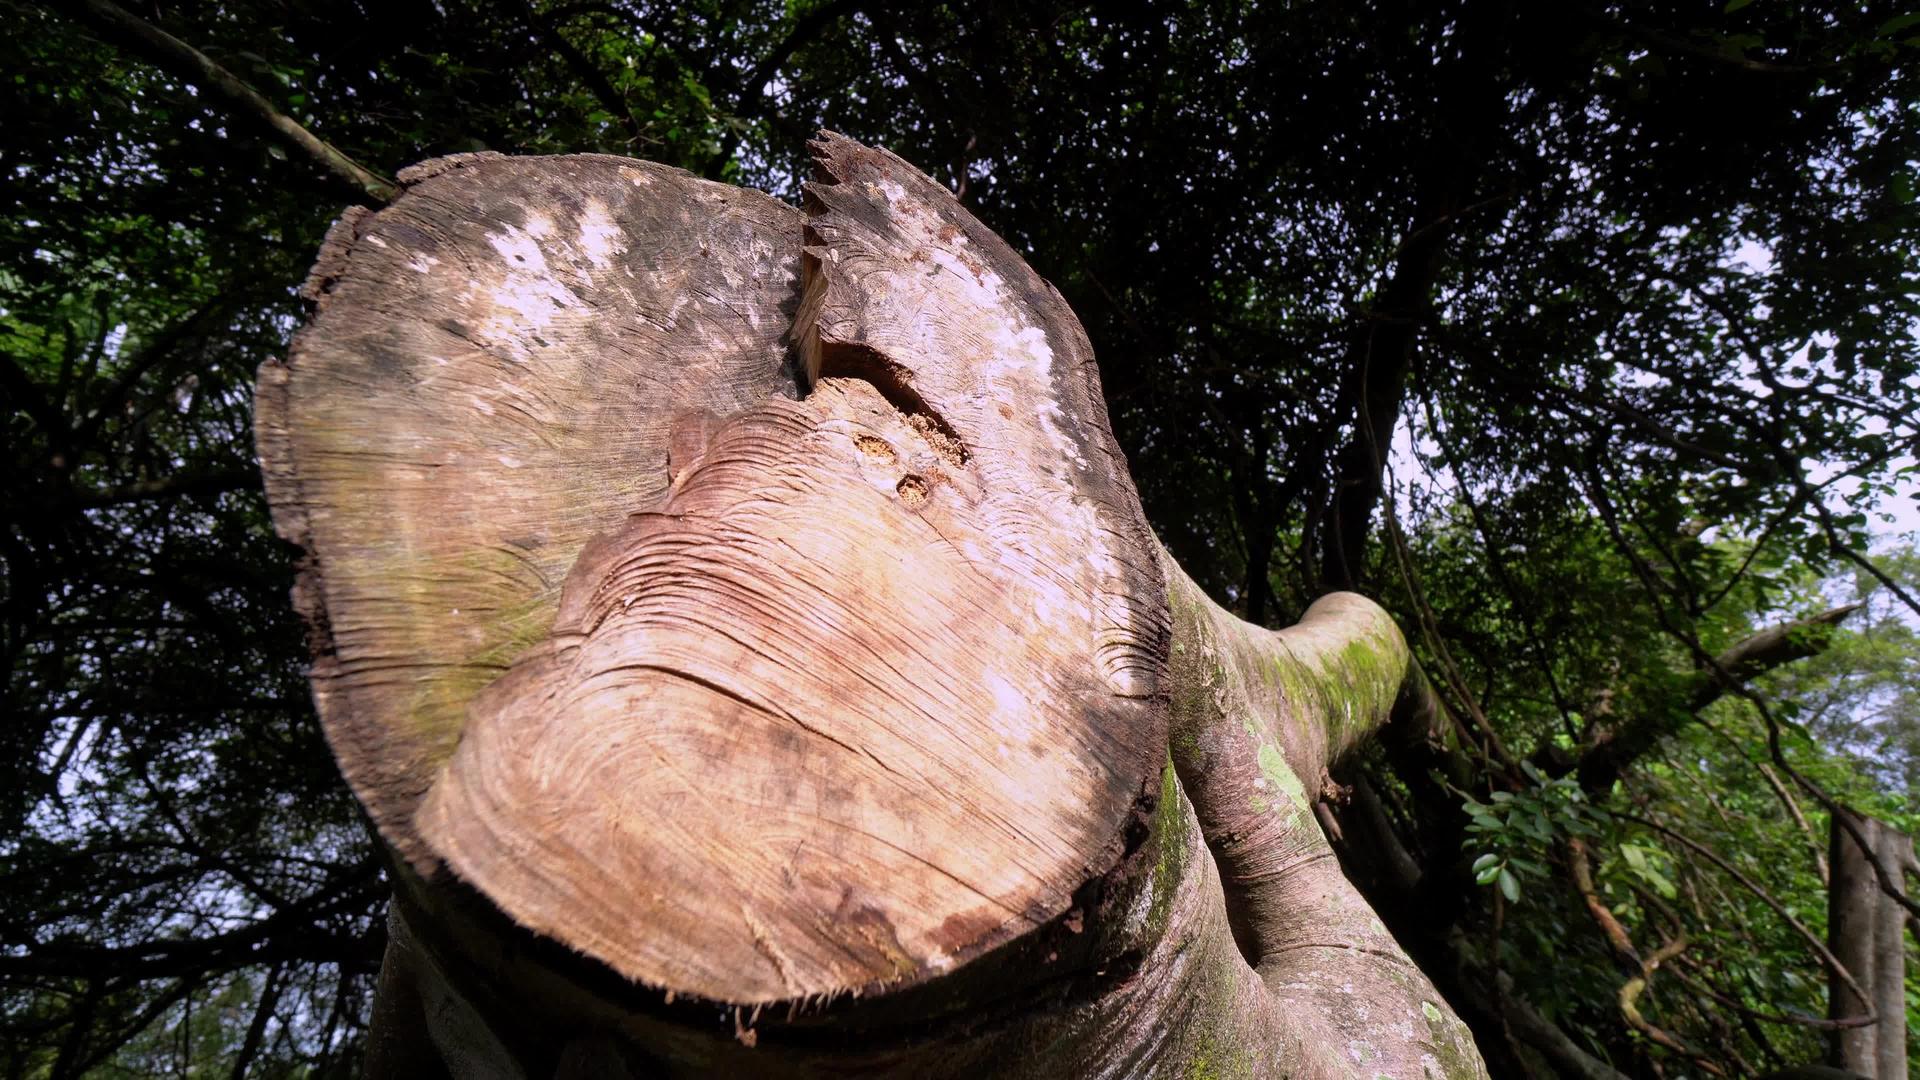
(1012, 660)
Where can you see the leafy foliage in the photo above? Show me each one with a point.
(1584, 336)
(1516, 831)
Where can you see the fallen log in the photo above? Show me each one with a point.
(740, 625)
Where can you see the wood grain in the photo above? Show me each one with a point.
(490, 380)
(875, 688)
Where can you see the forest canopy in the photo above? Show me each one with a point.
(1584, 337)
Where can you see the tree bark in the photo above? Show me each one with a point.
(1866, 933)
(1890, 965)
(741, 626)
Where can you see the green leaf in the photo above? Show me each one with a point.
(1660, 883)
(1509, 885)
(1894, 25)
(1736, 5)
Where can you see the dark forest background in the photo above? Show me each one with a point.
(1582, 335)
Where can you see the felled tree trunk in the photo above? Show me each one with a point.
(740, 624)
(1866, 931)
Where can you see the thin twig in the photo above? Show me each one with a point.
(1800, 819)
(1813, 941)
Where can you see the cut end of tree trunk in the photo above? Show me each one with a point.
(755, 603)
(850, 688)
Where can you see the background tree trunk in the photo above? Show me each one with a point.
(1866, 930)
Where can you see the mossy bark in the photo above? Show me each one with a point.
(1258, 716)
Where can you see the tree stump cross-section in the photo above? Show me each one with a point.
(740, 624)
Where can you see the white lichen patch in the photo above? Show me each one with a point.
(600, 239)
(523, 300)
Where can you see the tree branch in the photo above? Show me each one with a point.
(1610, 927)
(290, 933)
(178, 58)
(190, 482)
(749, 100)
(804, 27)
(1771, 648)
(1793, 807)
(1642, 967)
(201, 321)
(584, 69)
(256, 1030)
(1614, 750)
(1630, 993)
(1257, 717)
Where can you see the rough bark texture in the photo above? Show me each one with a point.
(1258, 717)
(742, 624)
(1890, 969)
